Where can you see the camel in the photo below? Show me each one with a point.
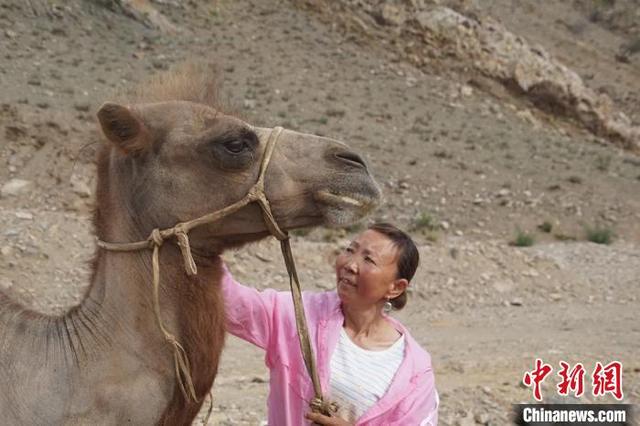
(170, 154)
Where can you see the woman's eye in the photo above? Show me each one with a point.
(370, 260)
(349, 250)
(235, 146)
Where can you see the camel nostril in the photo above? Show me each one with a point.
(351, 158)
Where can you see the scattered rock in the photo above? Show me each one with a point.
(160, 62)
(82, 106)
(34, 80)
(143, 11)
(528, 117)
(482, 418)
(15, 187)
(454, 252)
(503, 193)
(258, 379)
(555, 296)
(467, 420)
(11, 232)
(79, 187)
(392, 15)
(24, 215)
(466, 90)
(78, 205)
(5, 284)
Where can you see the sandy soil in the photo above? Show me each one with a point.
(462, 168)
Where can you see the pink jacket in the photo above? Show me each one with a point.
(266, 319)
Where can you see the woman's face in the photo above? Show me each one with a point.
(366, 270)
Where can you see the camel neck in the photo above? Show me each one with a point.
(123, 288)
(120, 299)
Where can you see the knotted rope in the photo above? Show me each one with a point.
(181, 233)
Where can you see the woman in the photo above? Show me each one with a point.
(367, 362)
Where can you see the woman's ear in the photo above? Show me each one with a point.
(124, 128)
(397, 288)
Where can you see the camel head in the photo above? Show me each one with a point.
(179, 160)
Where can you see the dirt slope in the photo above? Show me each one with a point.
(464, 165)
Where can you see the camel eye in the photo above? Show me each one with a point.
(235, 146)
(230, 150)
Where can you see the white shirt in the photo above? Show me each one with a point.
(359, 377)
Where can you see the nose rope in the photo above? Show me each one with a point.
(181, 231)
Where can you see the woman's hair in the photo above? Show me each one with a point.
(408, 256)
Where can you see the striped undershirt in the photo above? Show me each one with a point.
(359, 377)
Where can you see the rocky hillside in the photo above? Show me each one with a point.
(489, 125)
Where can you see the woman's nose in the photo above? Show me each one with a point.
(351, 266)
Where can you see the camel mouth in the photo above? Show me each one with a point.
(338, 200)
(343, 210)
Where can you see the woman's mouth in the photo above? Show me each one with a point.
(344, 281)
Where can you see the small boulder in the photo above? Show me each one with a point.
(79, 187)
(5, 284)
(393, 15)
(482, 418)
(24, 215)
(15, 187)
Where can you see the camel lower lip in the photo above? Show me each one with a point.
(337, 199)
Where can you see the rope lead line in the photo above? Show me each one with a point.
(180, 359)
(181, 233)
(317, 404)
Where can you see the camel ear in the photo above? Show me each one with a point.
(123, 128)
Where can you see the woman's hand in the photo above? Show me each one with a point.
(327, 421)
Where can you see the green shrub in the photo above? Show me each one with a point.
(545, 226)
(600, 234)
(424, 221)
(523, 239)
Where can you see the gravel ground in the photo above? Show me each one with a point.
(459, 166)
